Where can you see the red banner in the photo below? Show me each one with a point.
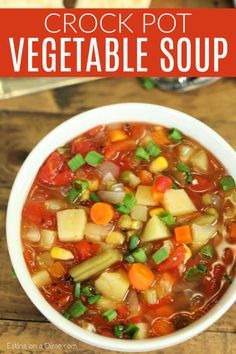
(121, 42)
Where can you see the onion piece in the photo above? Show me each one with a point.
(185, 152)
(32, 234)
(118, 187)
(109, 167)
(55, 204)
(108, 181)
(133, 303)
(111, 197)
(97, 233)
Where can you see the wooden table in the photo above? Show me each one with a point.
(24, 121)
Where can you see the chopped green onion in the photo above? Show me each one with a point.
(83, 184)
(175, 135)
(139, 255)
(153, 149)
(66, 315)
(95, 198)
(191, 273)
(93, 299)
(77, 309)
(174, 186)
(160, 255)
(148, 83)
(109, 315)
(133, 242)
(182, 167)
(228, 278)
(202, 268)
(73, 195)
(141, 154)
(122, 208)
(118, 330)
(129, 200)
(206, 251)
(189, 178)
(93, 158)
(129, 258)
(131, 330)
(227, 183)
(77, 290)
(76, 162)
(167, 218)
(87, 291)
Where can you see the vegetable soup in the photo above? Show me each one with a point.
(129, 230)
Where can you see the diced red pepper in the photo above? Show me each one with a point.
(85, 249)
(162, 184)
(33, 213)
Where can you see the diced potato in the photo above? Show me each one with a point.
(48, 238)
(61, 253)
(115, 238)
(41, 278)
(71, 224)
(143, 330)
(155, 229)
(97, 233)
(201, 234)
(200, 161)
(125, 222)
(144, 196)
(113, 285)
(139, 212)
(105, 304)
(177, 202)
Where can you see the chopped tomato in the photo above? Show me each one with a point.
(196, 198)
(112, 151)
(95, 131)
(86, 249)
(106, 332)
(82, 146)
(162, 184)
(33, 212)
(138, 131)
(175, 259)
(145, 177)
(203, 185)
(49, 220)
(55, 171)
(123, 310)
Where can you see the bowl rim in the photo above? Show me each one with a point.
(66, 131)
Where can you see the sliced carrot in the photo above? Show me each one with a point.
(57, 270)
(117, 135)
(183, 234)
(140, 276)
(145, 177)
(162, 327)
(101, 213)
(160, 136)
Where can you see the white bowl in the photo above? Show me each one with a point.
(131, 112)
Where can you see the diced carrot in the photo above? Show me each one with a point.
(183, 234)
(158, 196)
(164, 284)
(162, 327)
(164, 311)
(57, 270)
(117, 135)
(160, 136)
(101, 213)
(140, 276)
(232, 230)
(145, 177)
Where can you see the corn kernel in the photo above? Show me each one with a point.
(115, 238)
(61, 253)
(158, 165)
(156, 211)
(188, 253)
(117, 135)
(136, 225)
(93, 185)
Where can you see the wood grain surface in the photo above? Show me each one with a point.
(24, 121)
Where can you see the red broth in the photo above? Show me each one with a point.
(129, 230)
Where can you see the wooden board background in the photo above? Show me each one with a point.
(24, 121)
